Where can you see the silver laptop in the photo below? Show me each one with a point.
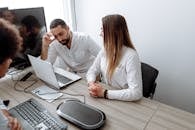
(52, 75)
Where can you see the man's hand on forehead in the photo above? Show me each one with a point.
(51, 36)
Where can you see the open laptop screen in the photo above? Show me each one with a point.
(46, 72)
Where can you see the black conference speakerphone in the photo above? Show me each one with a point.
(82, 115)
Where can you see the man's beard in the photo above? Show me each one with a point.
(65, 41)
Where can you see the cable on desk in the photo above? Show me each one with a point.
(25, 89)
(84, 100)
(16, 88)
(81, 95)
(35, 81)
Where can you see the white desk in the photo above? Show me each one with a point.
(144, 114)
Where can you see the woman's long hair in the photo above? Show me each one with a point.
(115, 34)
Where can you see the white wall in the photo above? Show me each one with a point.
(164, 35)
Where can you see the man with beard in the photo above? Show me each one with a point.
(76, 50)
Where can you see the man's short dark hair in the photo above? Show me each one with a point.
(10, 40)
(30, 22)
(57, 22)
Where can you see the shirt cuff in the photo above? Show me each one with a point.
(90, 79)
(2, 106)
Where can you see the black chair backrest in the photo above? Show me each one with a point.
(149, 75)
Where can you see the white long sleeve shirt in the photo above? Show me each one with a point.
(79, 57)
(3, 122)
(2, 106)
(3, 119)
(126, 78)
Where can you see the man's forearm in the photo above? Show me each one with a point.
(44, 53)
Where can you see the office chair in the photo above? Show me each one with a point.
(149, 75)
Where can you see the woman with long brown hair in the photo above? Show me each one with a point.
(118, 63)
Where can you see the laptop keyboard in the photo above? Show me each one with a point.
(37, 116)
(62, 79)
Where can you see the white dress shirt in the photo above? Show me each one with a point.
(126, 79)
(79, 57)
